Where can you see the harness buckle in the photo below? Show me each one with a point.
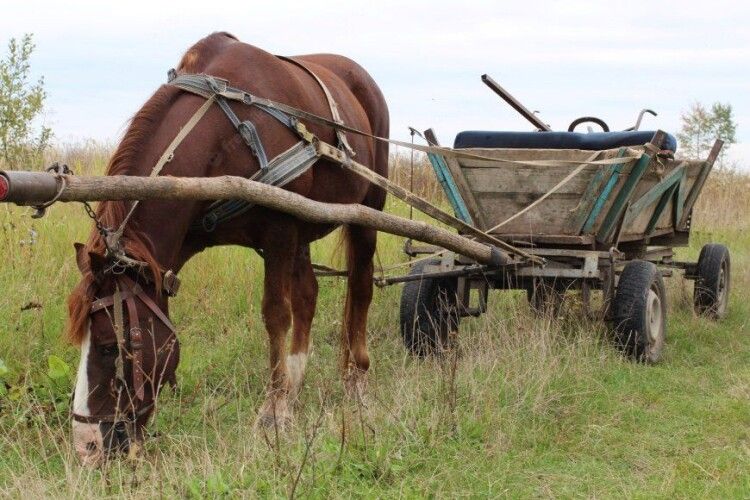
(209, 222)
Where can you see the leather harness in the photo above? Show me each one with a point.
(279, 171)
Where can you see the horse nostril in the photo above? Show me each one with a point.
(91, 446)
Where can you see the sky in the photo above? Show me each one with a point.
(101, 60)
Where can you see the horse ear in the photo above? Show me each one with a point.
(80, 257)
(97, 264)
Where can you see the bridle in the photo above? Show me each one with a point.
(130, 348)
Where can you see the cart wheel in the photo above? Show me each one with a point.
(545, 299)
(640, 312)
(711, 295)
(429, 312)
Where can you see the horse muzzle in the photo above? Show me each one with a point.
(94, 443)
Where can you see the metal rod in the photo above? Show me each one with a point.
(466, 271)
(515, 104)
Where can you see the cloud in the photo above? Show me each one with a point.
(101, 60)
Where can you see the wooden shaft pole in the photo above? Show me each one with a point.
(124, 187)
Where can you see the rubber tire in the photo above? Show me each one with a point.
(707, 296)
(630, 311)
(429, 313)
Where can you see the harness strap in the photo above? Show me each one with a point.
(143, 296)
(247, 131)
(105, 302)
(119, 328)
(282, 170)
(136, 348)
(343, 142)
(165, 158)
(113, 417)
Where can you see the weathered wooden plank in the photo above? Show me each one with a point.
(551, 216)
(657, 191)
(466, 193)
(626, 191)
(659, 210)
(515, 178)
(680, 198)
(699, 182)
(612, 176)
(446, 181)
(589, 196)
(522, 155)
(548, 239)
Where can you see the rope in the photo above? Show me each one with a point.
(547, 194)
(207, 86)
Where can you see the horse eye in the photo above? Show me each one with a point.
(108, 349)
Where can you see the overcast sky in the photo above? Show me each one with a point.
(101, 60)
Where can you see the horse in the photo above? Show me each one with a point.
(118, 314)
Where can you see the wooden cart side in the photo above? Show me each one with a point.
(612, 220)
(699, 183)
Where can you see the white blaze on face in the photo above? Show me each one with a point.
(87, 438)
(81, 395)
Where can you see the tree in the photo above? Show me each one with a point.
(700, 127)
(21, 103)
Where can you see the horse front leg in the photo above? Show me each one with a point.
(279, 255)
(355, 360)
(304, 300)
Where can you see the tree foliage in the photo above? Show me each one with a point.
(701, 126)
(21, 104)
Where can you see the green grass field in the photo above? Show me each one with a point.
(530, 408)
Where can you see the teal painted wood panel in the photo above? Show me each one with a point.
(450, 189)
(583, 219)
(614, 176)
(667, 184)
(623, 197)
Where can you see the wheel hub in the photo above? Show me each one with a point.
(721, 293)
(654, 316)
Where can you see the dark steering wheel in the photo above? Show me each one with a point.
(585, 119)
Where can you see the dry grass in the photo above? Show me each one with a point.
(528, 408)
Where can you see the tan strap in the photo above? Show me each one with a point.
(331, 103)
(165, 158)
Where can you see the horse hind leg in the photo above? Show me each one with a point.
(279, 264)
(355, 359)
(304, 300)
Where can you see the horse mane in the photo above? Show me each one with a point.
(135, 243)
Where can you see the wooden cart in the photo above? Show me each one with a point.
(600, 226)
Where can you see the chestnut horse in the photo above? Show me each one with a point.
(160, 234)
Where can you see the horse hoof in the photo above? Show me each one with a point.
(275, 414)
(355, 384)
(270, 421)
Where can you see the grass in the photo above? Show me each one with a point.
(530, 408)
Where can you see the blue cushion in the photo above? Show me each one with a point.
(594, 141)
